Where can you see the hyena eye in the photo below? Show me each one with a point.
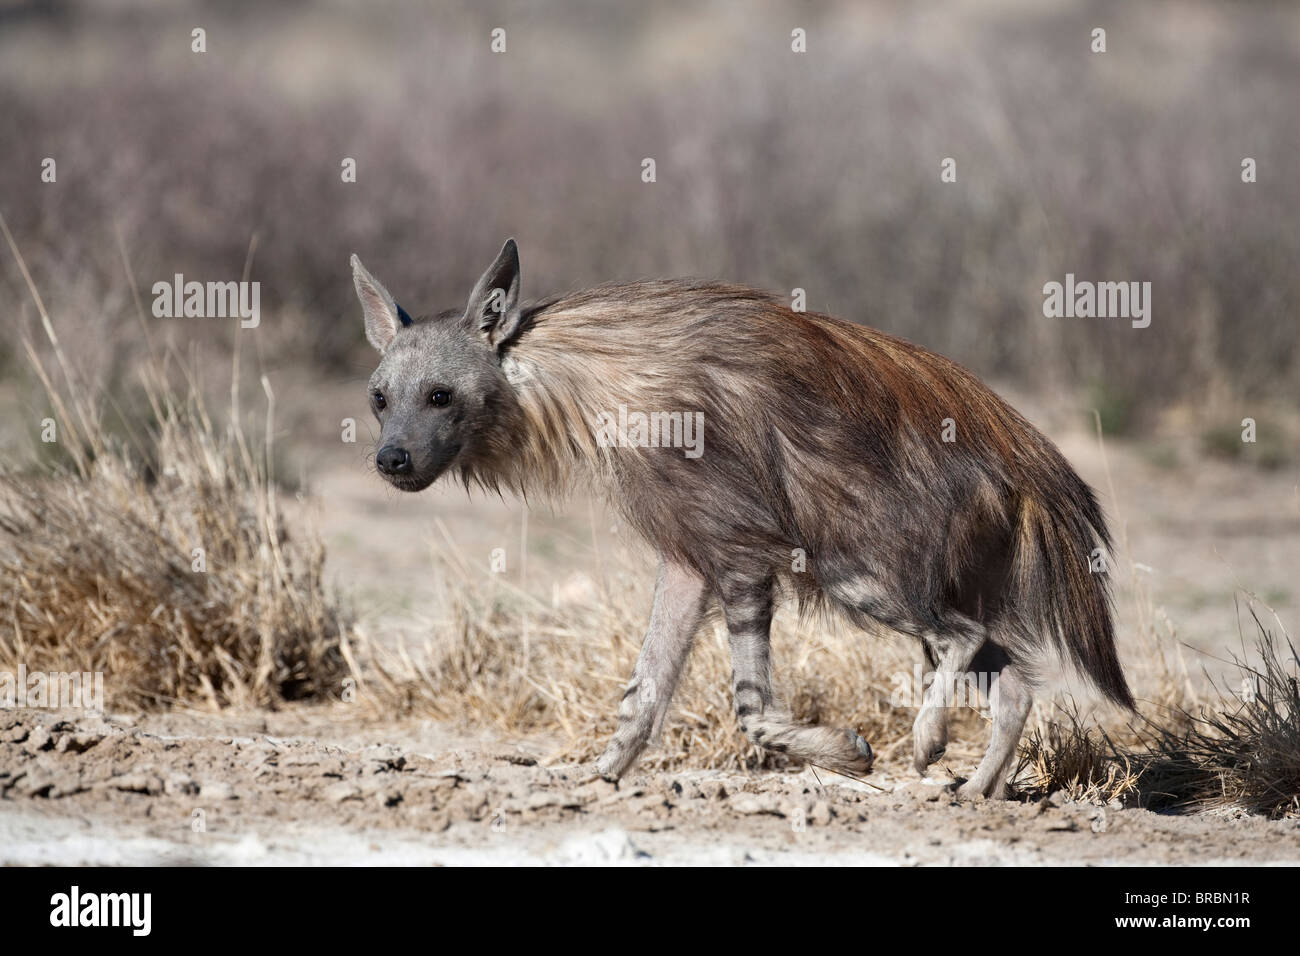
(380, 401)
(439, 397)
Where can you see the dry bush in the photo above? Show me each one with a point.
(1243, 753)
(1238, 752)
(96, 561)
(1079, 759)
(505, 658)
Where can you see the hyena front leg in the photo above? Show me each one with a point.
(748, 609)
(681, 598)
(949, 651)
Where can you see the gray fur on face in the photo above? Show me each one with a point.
(439, 393)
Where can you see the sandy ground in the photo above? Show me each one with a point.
(318, 787)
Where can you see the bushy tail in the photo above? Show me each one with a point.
(1061, 579)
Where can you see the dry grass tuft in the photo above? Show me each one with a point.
(1075, 758)
(1244, 753)
(98, 562)
(1239, 752)
(96, 574)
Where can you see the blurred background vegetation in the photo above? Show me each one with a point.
(779, 170)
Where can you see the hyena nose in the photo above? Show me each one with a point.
(393, 461)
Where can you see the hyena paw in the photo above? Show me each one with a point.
(862, 758)
(929, 738)
(973, 790)
(612, 764)
(842, 751)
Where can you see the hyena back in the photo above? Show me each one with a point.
(905, 491)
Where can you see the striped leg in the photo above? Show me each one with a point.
(679, 604)
(748, 609)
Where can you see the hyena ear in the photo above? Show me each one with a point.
(383, 315)
(493, 309)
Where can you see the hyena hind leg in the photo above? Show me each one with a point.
(949, 648)
(1013, 697)
(747, 606)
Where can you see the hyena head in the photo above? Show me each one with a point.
(439, 392)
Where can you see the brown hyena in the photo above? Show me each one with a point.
(917, 498)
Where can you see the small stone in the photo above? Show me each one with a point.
(140, 781)
(591, 793)
(77, 742)
(36, 784)
(217, 790)
(713, 789)
(179, 784)
(519, 760)
(469, 804)
(922, 791)
(445, 781)
(749, 804)
(343, 790)
(648, 804)
(1063, 825)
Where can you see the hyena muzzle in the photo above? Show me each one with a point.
(914, 497)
